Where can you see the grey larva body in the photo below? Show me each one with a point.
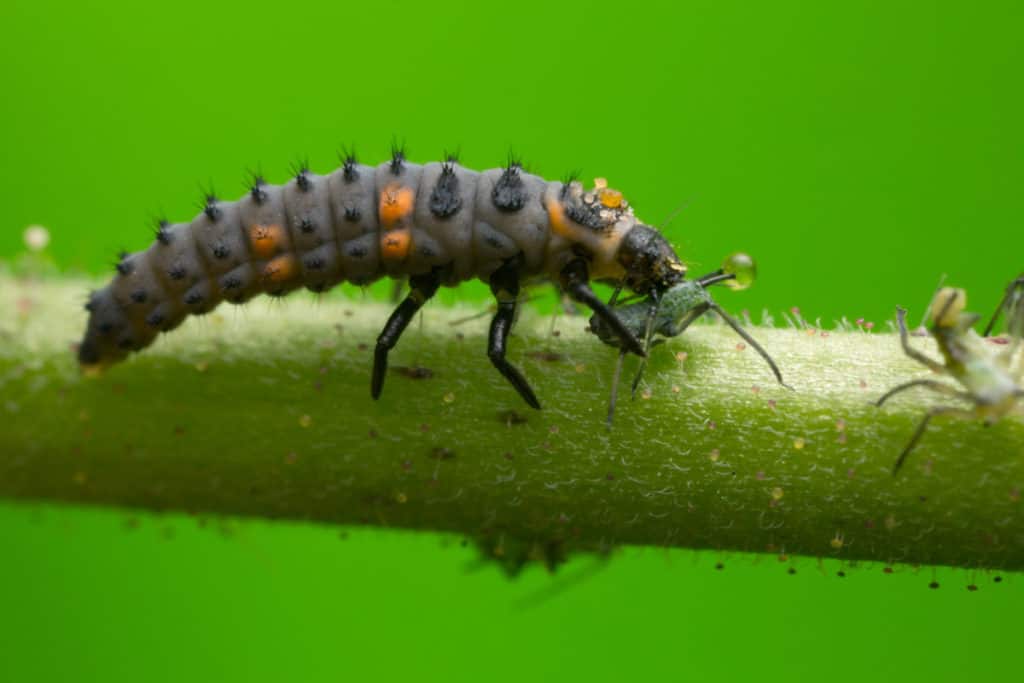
(438, 224)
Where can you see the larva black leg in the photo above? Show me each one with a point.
(505, 287)
(422, 288)
(574, 281)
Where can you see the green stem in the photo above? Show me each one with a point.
(265, 411)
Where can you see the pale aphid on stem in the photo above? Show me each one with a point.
(990, 377)
(1013, 305)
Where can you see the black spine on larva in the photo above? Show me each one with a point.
(509, 194)
(444, 198)
(352, 214)
(302, 176)
(349, 170)
(567, 180)
(397, 159)
(211, 209)
(587, 215)
(161, 234)
(259, 195)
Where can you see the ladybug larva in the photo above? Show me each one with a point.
(436, 224)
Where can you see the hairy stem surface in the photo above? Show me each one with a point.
(265, 411)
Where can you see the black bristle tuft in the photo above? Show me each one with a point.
(256, 191)
(306, 225)
(508, 193)
(567, 180)
(452, 157)
(176, 272)
(301, 172)
(210, 207)
(139, 296)
(162, 233)
(124, 266)
(348, 164)
(445, 200)
(397, 157)
(352, 214)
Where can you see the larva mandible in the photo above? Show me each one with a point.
(437, 224)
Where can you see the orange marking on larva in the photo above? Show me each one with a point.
(610, 198)
(559, 225)
(281, 269)
(395, 245)
(396, 202)
(264, 240)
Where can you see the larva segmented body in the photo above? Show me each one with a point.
(438, 224)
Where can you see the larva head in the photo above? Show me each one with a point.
(649, 261)
(947, 307)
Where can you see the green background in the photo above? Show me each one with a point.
(859, 151)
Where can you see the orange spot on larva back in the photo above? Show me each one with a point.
(396, 203)
(556, 217)
(265, 239)
(280, 269)
(395, 245)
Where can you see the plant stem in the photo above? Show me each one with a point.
(265, 411)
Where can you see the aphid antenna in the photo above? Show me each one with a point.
(927, 308)
(738, 329)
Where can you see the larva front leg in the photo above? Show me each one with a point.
(574, 280)
(422, 288)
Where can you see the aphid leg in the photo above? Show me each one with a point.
(652, 314)
(615, 387)
(731, 322)
(1014, 291)
(574, 280)
(615, 294)
(930, 383)
(938, 410)
(901, 321)
(422, 288)
(505, 287)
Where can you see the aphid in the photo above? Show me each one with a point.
(1013, 306)
(668, 313)
(990, 377)
(438, 224)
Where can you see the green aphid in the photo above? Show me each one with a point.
(990, 376)
(658, 317)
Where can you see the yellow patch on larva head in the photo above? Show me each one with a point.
(281, 269)
(610, 198)
(264, 240)
(395, 245)
(396, 203)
